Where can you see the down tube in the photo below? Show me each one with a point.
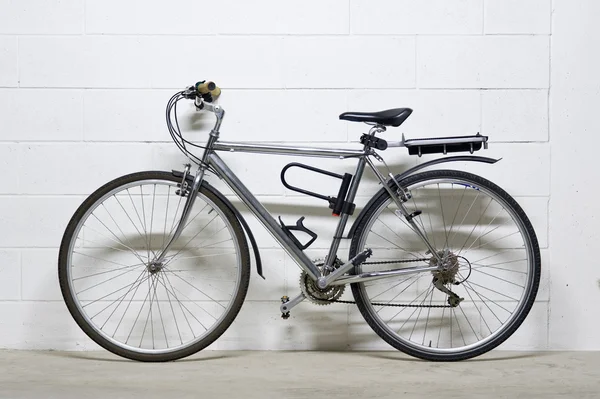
(263, 215)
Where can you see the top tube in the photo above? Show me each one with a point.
(289, 150)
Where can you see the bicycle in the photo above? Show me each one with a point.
(443, 264)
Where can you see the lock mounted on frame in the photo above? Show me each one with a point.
(337, 204)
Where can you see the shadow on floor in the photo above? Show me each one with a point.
(108, 357)
(494, 356)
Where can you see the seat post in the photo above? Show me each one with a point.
(376, 129)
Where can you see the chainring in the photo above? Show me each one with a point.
(317, 295)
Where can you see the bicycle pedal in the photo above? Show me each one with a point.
(285, 315)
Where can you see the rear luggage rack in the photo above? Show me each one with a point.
(444, 145)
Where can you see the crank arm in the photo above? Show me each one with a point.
(324, 282)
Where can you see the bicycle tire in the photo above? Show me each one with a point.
(97, 336)
(525, 305)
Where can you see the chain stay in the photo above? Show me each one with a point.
(386, 262)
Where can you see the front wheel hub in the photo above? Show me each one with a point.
(155, 267)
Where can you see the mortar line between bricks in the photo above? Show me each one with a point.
(273, 35)
(282, 89)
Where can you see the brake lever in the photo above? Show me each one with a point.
(190, 93)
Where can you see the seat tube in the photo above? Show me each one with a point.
(339, 231)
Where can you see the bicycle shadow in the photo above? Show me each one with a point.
(105, 356)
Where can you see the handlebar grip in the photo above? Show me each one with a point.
(205, 87)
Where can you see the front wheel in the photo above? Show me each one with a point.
(127, 301)
(487, 273)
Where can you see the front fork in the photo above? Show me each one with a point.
(192, 194)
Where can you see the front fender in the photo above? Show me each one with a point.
(398, 177)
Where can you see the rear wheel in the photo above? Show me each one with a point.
(134, 306)
(481, 291)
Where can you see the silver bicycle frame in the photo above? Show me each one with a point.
(212, 160)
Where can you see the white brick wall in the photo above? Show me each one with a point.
(83, 84)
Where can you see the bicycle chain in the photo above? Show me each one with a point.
(400, 305)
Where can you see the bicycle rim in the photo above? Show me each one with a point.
(152, 309)
(491, 266)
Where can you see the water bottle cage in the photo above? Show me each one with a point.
(298, 227)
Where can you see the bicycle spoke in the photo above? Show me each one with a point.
(196, 235)
(105, 281)
(495, 268)
(120, 299)
(458, 325)
(480, 226)
(128, 305)
(107, 271)
(173, 311)
(129, 217)
(426, 292)
(455, 214)
(116, 224)
(149, 317)
(166, 214)
(400, 293)
(181, 306)
(104, 260)
(419, 314)
(173, 289)
(137, 317)
(496, 240)
(162, 322)
(494, 291)
(427, 320)
(118, 241)
(475, 226)
(481, 297)
(194, 287)
(499, 278)
(152, 213)
(466, 214)
(393, 232)
(443, 218)
(410, 303)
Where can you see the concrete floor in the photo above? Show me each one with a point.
(248, 375)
